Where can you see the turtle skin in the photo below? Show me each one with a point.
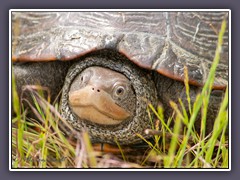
(149, 87)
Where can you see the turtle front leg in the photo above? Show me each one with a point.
(47, 74)
(172, 90)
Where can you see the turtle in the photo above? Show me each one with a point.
(111, 65)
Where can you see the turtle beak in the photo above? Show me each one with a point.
(96, 105)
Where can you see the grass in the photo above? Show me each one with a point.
(41, 144)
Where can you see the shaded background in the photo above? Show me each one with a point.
(234, 5)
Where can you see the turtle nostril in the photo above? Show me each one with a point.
(98, 90)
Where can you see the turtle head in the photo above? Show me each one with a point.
(107, 95)
(102, 96)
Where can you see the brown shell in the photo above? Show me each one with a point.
(163, 41)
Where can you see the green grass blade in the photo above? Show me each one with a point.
(220, 124)
(206, 89)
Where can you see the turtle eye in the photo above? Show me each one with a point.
(119, 91)
(85, 76)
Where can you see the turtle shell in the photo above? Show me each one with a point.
(161, 41)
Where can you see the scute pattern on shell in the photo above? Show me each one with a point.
(163, 41)
(143, 86)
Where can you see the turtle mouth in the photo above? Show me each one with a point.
(97, 106)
